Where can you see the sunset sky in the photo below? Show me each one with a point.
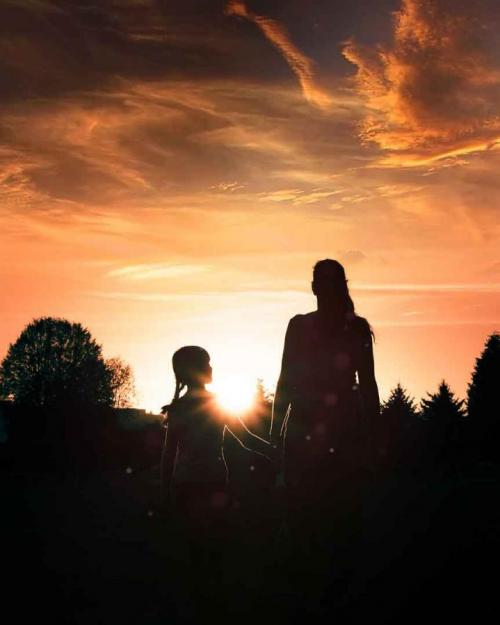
(171, 170)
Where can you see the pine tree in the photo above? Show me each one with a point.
(398, 418)
(442, 407)
(399, 404)
(444, 414)
(483, 401)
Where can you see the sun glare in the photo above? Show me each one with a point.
(235, 393)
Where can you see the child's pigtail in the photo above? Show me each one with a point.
(179, 386)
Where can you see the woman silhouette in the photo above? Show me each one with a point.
(326, 399)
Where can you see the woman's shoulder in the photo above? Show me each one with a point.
(304, 317)
(300, 321)
(361, 327)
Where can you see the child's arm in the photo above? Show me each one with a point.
(246, 438)
(168, 461)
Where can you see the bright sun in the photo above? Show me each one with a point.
(235, 393)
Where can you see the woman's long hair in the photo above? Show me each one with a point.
(336, 273)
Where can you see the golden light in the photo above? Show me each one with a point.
(238, 358)
(235, 393)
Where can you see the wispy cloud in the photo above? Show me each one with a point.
(434, 92)
(300, 64)
(229, 187)
(170, 143)
(237, 297)
(297, 196)
(302, 294)
(428, 288)
(154, 271)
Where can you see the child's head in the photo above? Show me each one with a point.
(192, 366)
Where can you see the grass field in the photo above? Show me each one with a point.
(92, 548)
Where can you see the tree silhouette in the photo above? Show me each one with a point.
(443, 405)
(55, 361)
(399, 403)
(398, 417)
(444, 414)
(483, 401)
(260, 413)
(121, 382)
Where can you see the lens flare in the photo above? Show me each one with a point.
(235, 393)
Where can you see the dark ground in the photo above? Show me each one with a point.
(91, 549)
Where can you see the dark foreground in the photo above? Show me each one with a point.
(90, 549)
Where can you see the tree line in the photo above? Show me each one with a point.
(444, 433)
(56, 370)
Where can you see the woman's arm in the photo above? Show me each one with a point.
(282, 397)
(367, 383)
(168, 460)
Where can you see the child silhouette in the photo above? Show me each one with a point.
(194, 472)
(194, 475)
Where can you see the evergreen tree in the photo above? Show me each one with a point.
(444, 415)
(483, 401)
(442, 407)
(398, 419)
(399, 405)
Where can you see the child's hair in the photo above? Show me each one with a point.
(187, 362)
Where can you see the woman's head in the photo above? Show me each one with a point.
(192, 366)
(330, 286)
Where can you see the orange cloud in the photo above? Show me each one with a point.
(434, 92)
(301, 65)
